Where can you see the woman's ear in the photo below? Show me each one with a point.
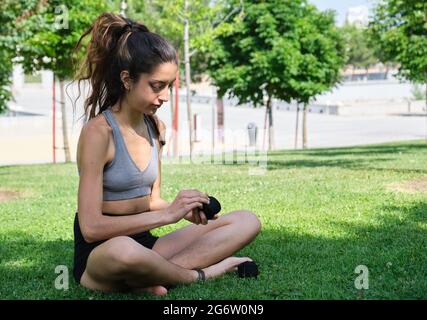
(126, 80)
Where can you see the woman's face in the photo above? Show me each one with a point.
(152, 90)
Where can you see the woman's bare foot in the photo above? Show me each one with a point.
(154, 290)
(227, 265)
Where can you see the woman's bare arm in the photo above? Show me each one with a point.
(159, 204)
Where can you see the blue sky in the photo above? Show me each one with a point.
(341, 6)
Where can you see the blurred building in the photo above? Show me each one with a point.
(358, 16)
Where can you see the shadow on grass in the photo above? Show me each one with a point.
(292, 264)
(28, 265)
(354, 158)
(357, 164)
(358, 150)
(303, 266)
(340, 163)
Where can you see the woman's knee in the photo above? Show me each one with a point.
(124, 254)
(253, 220)
(247, 218)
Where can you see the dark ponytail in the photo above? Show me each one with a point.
(117, 44)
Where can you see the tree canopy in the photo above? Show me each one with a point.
(282, 48)
(400, 29)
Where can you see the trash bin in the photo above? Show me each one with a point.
(252, 131)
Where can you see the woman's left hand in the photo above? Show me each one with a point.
(197, 216)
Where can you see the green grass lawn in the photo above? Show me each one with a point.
(324, 212)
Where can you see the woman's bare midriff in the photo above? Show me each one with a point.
(129, 206)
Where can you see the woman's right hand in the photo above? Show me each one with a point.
(185, 201)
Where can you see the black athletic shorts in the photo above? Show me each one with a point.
(82, 249)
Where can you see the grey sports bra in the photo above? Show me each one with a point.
(122, 177)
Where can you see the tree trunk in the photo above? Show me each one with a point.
(220, 119)
(64, 123)
(213, 103)
(188, 75)
(265, 128)
(54, 118)
(387, 68)
(304, 127)
(296, 127)
(270, 124)
(175, 121)
(172, 109)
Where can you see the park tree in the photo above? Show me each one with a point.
(284, 49)
(322, 57)
(52, 33)
(11, 13)
(400, 30)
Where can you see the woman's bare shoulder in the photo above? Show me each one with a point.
(95, 134)
(97, 126)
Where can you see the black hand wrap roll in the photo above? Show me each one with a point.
(212, 208)
(247, 269)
